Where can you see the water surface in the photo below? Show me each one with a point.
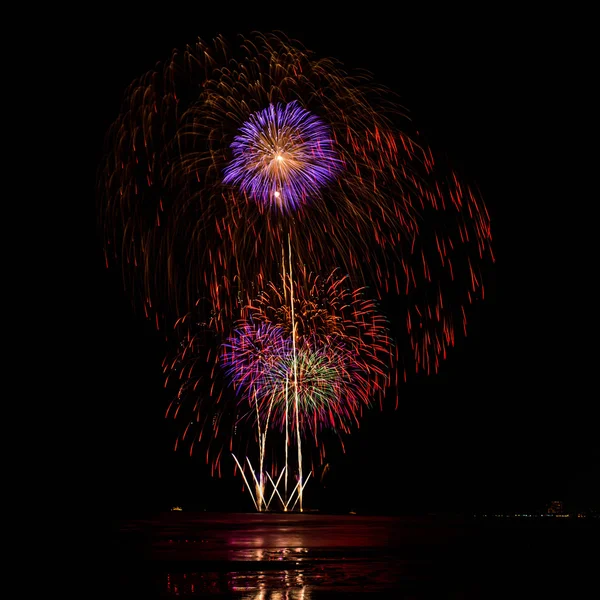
(311, 556)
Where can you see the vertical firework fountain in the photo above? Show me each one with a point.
(296, 406)
(259, 477)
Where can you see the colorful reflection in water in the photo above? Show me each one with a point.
(256, 585)
(299, 556)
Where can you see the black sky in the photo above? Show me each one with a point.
(508, 421)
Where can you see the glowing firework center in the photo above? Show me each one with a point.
(282, 157)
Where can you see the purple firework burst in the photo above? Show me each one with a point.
(282, 157)
(252, 352)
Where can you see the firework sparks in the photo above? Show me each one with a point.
(225, 159)
(337, 373)
(282, 157)
(205, 143)
(339, 362)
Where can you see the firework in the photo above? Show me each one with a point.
(330, 382)
(232, 167)
(282, 157)
(223, 152)
(337, 349)
(334, 356)
(307, 356)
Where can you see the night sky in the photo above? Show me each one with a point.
(507, 424)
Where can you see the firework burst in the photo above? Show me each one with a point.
(229, 167)
(223, 152)
(282, 157)
(334, 360)
(342, 352)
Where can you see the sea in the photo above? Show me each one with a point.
(310, 556)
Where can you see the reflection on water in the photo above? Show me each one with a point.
(259, 585)
(295, 556)
(301, 573)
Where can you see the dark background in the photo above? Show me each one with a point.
(508, 423)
